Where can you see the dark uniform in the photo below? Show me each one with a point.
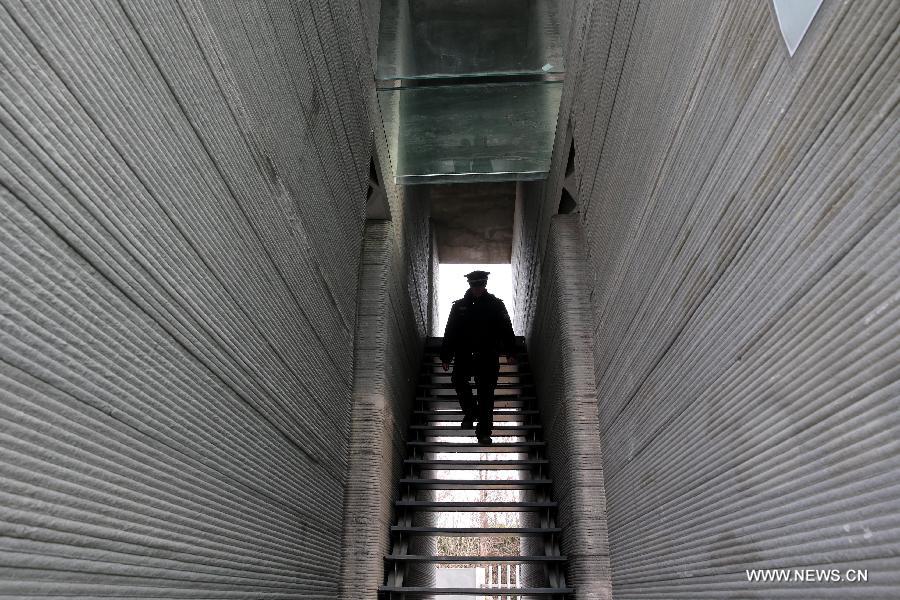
(478, 332)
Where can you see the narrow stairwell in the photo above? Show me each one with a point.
(456, 494)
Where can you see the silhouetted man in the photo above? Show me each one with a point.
(478, 332)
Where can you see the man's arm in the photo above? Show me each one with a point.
(507, 335)
(448, 346)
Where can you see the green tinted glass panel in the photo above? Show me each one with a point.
(446, 38)
(492, 132)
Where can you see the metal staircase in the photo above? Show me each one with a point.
(443, 457)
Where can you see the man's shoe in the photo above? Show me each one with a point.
(467, 423)
(484, 440)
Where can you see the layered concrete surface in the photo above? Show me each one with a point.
(739, 210)
(388, 357)
(183, 194)
(183, 189)
(567, 397)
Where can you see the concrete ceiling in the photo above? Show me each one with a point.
(473, 221)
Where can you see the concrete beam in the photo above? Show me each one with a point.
(473, 222)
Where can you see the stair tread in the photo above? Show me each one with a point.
(529, 444)
(483, 466)
(450, 402)
(501, 375)
(480, 505)
(455, 432)
(499, 386)
(437, 369)
(438, 415)
(450, 428)
(415, 480)
(425, 417)
(475, 531)
(475, 465)
(437, 353)
(472, 559)
(453, 412)
(476, 449)
(497, 398)
(475, 484)
(479, 591)
(505, 369)
(458, 411)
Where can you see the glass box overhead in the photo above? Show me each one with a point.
(469, 90)
(470, 38)
(492, 132)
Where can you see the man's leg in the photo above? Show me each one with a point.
(462, 371)
(486, 378)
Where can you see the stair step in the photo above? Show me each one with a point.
(505, 368)
(514, 400)
(438, 415)
(476, 531)
(450, 393)
(475, 484)
(450, 402)
(500, 376)
(503, 382)
(475, 446)
(456, 432)
(457, 415)
(500, 406)
(520, 367)
(499, 395)
(453, 432)
(437, 354)
(472, 559)
(445, 393)
(492, 592)
(500, 386)
(483, 506)
(445, 428)
(475, 465)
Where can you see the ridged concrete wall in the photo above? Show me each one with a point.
(183, 190)
(740, 214)
(396, 306)
(564, 350)
(396, 302)
(388, 354)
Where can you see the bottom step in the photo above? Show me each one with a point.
(430, 591)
